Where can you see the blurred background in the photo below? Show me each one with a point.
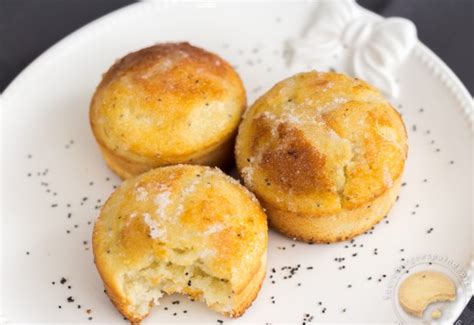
(29, 27)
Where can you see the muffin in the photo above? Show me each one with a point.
(181, 229)
(167, 104)
(324, 153)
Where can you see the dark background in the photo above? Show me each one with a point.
(29, 27)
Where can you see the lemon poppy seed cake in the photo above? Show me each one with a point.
(181, 229)
(324, 153)
(167, 104)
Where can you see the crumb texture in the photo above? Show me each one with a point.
(181, 229)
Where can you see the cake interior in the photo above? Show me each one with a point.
(184, 272)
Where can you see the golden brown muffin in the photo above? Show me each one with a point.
(167, 104)
(324, 153)
(181, 229)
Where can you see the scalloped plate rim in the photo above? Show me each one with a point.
(461, 93)
(110, 17)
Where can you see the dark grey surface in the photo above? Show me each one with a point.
(29, 27)
(446, 26)
(467, 316)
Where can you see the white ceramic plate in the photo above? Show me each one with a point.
(54, 179)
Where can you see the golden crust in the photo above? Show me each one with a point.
(221, 155)
(321, 145)
(196, 211)
(246, 297)
(333, 228)
(166, 104)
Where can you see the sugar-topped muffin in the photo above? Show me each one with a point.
(181, 229)
(167, 104)
(324, 153)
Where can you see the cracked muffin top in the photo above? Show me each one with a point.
(321, 143)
